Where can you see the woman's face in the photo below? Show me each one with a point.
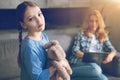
(93, 23)
(33, 19)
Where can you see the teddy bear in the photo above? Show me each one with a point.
(57, 58)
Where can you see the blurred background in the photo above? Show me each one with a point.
(67, 13)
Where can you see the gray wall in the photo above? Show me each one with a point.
(47, 3)
(11, 4)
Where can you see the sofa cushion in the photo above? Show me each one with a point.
(8, 58)
(64, 40)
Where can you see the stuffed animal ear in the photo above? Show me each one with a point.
(50, 44)
(56, 52)
(54, 42)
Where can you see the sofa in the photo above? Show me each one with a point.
(9, 47)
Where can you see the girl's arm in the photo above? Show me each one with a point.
(34, 66)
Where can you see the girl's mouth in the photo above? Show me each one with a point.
(39, 26)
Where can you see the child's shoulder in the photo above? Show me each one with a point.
(45, 36)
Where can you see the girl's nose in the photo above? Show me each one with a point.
(38, 20)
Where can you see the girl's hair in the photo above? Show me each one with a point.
(101, 33)
(20, 10)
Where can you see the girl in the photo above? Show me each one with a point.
(32, 56)
(92, 38)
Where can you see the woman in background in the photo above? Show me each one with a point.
(92, 38)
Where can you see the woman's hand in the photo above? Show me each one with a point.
(109, 58)
(80, 54)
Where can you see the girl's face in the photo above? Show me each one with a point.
(33, 19)
(93, 23)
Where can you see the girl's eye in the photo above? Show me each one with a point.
(39, 14)
(30, 19)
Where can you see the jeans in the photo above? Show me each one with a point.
(87, 71)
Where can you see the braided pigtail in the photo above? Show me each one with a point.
(20, 41)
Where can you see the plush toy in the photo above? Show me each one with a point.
(57, 57)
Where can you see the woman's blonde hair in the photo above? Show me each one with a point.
(100, 33)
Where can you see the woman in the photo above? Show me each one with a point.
(92, 38)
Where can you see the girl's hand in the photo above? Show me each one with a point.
(109, 58)
(58, 77)
(52, 70)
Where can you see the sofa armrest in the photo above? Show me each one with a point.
(113, 68)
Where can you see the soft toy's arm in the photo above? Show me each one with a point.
(61, 70)
(67, 66)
